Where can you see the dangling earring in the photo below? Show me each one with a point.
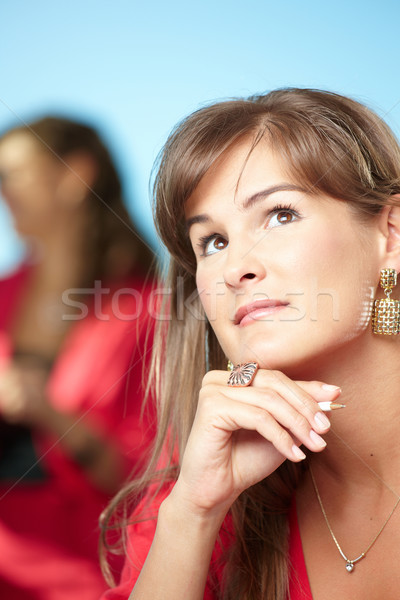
(230, 366)
(386, 315)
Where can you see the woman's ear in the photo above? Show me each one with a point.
(390, 228)
(78, 179)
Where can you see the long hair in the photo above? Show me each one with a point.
(331, 145)
(113, 246)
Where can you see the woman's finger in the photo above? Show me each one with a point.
(303, 395)
(282, 411)
(228, 415)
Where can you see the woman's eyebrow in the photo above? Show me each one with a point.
(281, 187)
(251, 201)
(204, 218)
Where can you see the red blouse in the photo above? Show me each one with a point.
(140, 536)
(49, 524)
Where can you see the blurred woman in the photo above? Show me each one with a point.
(73, 322)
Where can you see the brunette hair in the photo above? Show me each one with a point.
(113, 244)
(331, 145)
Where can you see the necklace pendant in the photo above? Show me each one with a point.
(349, 566)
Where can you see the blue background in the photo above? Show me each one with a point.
(133, 69)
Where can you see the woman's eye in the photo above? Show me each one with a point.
(213, 244)
(282, 217)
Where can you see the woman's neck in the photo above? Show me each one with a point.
(60, 255)
(39, 322)
(363, 441)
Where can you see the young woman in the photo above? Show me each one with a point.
(72, 343)
(280, 213)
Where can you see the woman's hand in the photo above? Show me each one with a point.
(23, 401)
(240, 435)
(22, 396)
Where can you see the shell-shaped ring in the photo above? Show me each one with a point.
(243, 375)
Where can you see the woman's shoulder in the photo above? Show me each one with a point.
(11, 287)
(17, 276)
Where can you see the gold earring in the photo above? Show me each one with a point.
(386, 315)
(230, 366)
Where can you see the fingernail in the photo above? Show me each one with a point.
(331, 388)
(322, 420)
(317, 439)
(297, 452)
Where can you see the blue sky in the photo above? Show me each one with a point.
(133, 69)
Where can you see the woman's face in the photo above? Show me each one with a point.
(30, 178)
(284, 276)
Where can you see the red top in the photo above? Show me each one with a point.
(49, 523)
(140, 536)
(299, 585)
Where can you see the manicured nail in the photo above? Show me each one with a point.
(331, 388)
(317, 439)
(297, 452)
(322, 420)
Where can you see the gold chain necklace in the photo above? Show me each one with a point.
(349, 562)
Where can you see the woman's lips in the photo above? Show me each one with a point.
(257, 310)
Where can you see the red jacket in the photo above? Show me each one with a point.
(140, 537)
(49, 527)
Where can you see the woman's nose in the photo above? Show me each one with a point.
(243, 266)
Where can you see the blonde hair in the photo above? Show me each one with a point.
(330, 144)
